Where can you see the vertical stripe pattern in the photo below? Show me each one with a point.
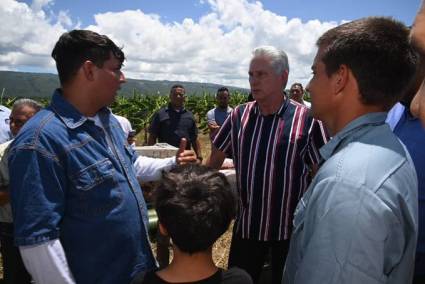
(272, 155)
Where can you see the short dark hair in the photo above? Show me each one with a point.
(196, 205)
(377, 51)
(222, 89)
(175, 86)
(75, 47)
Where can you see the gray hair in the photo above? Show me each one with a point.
(27, 102)
(279, 59)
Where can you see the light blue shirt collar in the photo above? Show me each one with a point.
(374, 118)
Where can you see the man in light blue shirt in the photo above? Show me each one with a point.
(218, 115)
(357, 222)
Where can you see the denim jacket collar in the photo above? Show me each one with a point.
(67, 113)
(370, 119)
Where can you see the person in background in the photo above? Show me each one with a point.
(195, 207)
(357, 222)
(131, 138)
(274, 143)
(411, 132)
(5, 134)
(78, 209)
(172, 123)
(217, 115)
(129, 133)
(297, 94)
(13, 268)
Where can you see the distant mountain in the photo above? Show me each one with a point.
(30, 85)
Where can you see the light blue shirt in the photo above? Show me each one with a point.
(357, 222)
(218, 115)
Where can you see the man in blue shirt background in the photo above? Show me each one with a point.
(412, 133)
(217, 115)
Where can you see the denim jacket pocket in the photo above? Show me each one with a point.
(93, 175)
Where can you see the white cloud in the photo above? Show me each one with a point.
(37, 5)
(216, 48)
(27, 35)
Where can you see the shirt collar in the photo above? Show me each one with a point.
(280, 112)
(170, 107)
(370, 119)
(69, 115)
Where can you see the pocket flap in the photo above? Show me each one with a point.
(93, 175)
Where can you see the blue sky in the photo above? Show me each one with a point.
(189, 40)
(172, 10)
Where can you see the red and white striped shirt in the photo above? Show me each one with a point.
(273, 155)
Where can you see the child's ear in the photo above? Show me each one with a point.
(162, 229)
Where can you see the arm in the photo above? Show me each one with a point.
(43, 191)
(194, 140)
(47, 263)
(197, 149)
(213, 126)
(150, 169)
(417, 33)
(216, 158)
(417, 37)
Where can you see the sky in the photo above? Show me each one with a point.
(187, 40)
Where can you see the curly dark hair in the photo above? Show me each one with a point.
(75, 47)
(196, 205)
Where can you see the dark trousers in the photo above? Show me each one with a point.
(250, 256)
(14, 271)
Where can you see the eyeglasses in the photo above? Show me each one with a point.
(17, 122)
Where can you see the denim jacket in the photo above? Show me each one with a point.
(68, 182)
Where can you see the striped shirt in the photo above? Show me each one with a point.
(272, 156)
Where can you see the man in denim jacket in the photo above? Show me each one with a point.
(79, 212)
